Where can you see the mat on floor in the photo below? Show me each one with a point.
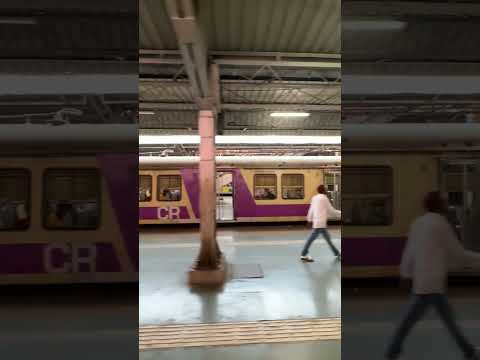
(239, 333)
(245, 271)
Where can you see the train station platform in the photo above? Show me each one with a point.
(289, 294)
(75, 322)
(369, 317)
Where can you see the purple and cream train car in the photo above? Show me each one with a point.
(68, 204)
(386, 171)
(249, 189)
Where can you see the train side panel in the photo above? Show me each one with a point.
(245, 207)
(375, 250)
(249, 209)
(106, 253)
(184, 210)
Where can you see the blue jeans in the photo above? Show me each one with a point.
(314, 234)
(416, 310)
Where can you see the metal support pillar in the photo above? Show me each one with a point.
(209, 253)
(209, 268)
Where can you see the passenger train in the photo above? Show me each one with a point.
(386, 172)
(249, 189)
(68, 204)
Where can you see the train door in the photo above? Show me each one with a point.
(224, 182)
(333, 183)
(460, 181)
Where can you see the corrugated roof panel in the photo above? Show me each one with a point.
(278, 94)
(261, 120)
(421, 40)
(170, 120)
(71, 37)
(239, 120)
(251, 25)
(272, 25)
(155, 29)
(165, 92)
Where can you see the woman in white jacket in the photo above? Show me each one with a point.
(320, 209)
(432, 246)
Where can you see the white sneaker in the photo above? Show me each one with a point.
(306, 258)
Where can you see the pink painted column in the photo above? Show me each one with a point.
(209, 256)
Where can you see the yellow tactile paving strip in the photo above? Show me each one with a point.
(238, 333)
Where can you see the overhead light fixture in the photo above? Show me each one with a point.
(18, 20)
(373, 25)
(290, 114)
(146, 112)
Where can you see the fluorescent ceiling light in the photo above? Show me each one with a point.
(18, 20)
(373, 25)
(243, 139)
(146, 112)
(289, 114)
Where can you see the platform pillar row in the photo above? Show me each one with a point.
(209, 268)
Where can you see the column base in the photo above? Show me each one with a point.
(208, 278)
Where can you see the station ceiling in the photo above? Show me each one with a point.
(417, 49)
(69, 30)
(272, 55)
(68, 38)
(303, 26)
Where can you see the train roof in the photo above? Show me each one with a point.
(416, 137)
(147, 162)
(36, 139)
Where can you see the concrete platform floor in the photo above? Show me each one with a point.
(60, 322)
(290, 289)
(369, 317)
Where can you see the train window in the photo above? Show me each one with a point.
(72, 199)
(14, 199)
(169, 187)
(265, 186)
(145, 188)
(367, 195)
(293, 186)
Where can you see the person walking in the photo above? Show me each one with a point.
(431, 247)
(320, 209)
